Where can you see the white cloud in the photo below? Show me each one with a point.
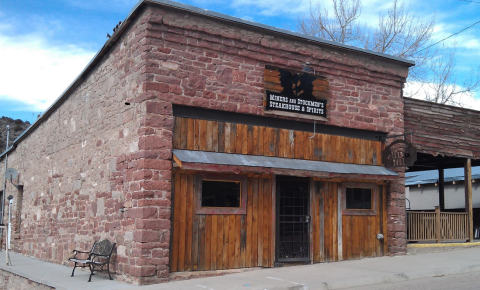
(418, 90)
(34, 71)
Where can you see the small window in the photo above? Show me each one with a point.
(216, 193)
(358, 198)
(221, 194)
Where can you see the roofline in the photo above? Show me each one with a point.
(443, 105)
(216, 15)
(183, 7)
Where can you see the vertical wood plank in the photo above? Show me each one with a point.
(190, 134)
(232, 233)
(203, 135)
(266, 222)
(214, 238)
(228, 135)
(196, 134)
(183, 133)
(233, 138)
(182, 228)
(248, 246)
(273, 219)
(250, 140)
(239, 139)
(238, 240)
(244, 139)
(261, 141)
(209, 136)
(253, 140)
(322, 221)
(226, 241)
(221, 137)
(208, 241)
(176, 132)
(215, 133)
(339, 224)
(201, 242)
(195, 222)
(260, 223)
(243, 240)
(254, 262)
(220, 241)
(188, 223)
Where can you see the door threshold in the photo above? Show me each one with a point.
(288, 264)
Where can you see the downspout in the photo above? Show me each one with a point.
(4, 181)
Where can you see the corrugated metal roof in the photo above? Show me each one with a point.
(282, 163)
(431, 176)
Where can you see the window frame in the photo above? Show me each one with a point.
(374, 198)
(242, 209)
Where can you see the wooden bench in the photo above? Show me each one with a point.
(96, 259)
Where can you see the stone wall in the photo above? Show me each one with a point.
(76, 166)
(213, 64)
(97, 168)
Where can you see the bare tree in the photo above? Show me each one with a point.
(443, 86)
(401, 33)
(342, 27)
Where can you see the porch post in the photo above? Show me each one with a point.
(438, 224)
(441, 188)
(468, 197)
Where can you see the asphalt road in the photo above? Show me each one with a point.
(470, 281)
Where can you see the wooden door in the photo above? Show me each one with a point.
(293, 220)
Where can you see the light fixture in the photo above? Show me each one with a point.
(307, 67)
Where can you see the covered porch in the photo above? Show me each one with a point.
(445, 137)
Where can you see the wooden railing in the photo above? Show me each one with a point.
(437, 226)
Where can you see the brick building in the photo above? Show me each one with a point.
(174, 107)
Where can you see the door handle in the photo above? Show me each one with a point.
(307, 218)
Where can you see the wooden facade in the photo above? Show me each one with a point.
(223, 137)
(209, 241)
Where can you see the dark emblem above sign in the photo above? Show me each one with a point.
(295, 92)
(399, 154)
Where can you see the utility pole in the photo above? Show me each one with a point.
(4, 184)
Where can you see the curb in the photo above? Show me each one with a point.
(401, 277)
(440, 245)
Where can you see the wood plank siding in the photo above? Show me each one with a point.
(443, 130)
(222, 137)
(213, 241)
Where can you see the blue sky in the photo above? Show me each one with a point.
(44, 45)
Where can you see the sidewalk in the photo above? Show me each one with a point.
(337, 275)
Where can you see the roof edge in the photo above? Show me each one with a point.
(225, 17)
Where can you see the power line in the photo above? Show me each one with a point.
(470, 1)
(449, 36)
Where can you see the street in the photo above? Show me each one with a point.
(456, 282)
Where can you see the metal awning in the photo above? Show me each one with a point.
(198, 160)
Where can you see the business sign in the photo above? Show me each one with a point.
(399, 154)
(276, 101)
(295, 92)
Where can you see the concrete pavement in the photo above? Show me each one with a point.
(335, 275)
